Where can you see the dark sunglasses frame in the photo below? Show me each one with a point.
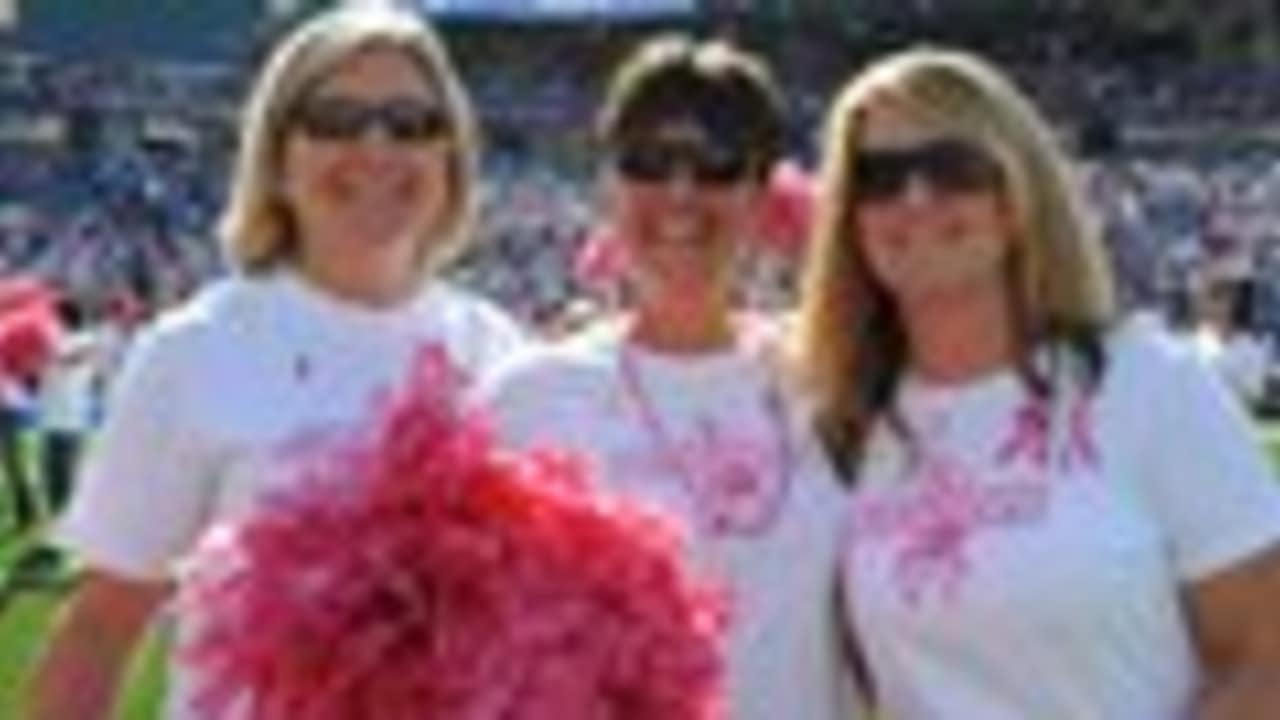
(333, 118)
(658, 162)
(949, 166)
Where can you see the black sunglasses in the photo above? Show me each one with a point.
(405, 120)
(707, 164)
(949, 166)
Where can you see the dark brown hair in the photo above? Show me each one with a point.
(726, 91)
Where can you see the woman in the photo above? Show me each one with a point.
(354, 183)
(1054, 515)
(677, 401)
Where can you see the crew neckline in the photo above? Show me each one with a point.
(317, 301)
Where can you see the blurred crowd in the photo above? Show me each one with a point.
(116, 210)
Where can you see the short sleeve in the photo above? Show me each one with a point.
(501, 337)
(514, 399)
(478, 334)
(1208, 480)
(145, 488)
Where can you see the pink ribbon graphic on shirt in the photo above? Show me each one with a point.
(934, 522)
(737, 486)
(1081, 442)
(1029, 436)
(937, 531)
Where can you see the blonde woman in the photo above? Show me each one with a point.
(677, 400)
(1055, 515)
(355, 181)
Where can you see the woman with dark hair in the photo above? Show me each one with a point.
(679, 400)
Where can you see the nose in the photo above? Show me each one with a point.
(917, 191)
(681, 182)
(376, 134)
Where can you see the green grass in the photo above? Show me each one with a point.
(26, 618)
(1271, 438)
(22, 629)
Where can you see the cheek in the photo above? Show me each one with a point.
(738, 211)
(438, 169)
(631, 211)
(877, 231)
(297, 171)
(438, 181)
(992, 223)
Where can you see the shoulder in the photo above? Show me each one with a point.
(570, 364)
(1146, 353)
(589, 352)
(477, 332)
(202, 322)
(455, 304)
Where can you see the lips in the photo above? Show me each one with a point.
(369, 185)
(685, 227)
(929, 234)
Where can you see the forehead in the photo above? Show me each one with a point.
(676, 130)
(889, 123)
(376, 71)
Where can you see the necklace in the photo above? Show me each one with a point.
(731, 491)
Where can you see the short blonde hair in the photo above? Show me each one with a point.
(256, 227)
(849, 341)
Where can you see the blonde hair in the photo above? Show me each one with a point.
(849, 342)
(256, 227)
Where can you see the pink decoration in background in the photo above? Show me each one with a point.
(602, 258)
(29, 327)
(786, 210)
(423, 574)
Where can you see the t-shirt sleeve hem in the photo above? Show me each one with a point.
(99, 554)
(1228, 551)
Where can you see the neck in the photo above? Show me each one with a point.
(959, 340)
(359, 284)
(683, 328)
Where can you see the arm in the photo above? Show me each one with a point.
(1237, 630)
(1213, 492)
(141, 500)
(99, 628)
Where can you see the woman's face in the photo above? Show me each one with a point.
(681, 205)
(366, 164)
(932, 219)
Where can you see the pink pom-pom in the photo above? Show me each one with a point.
(29, 327)
(421, 573)
(786, 210)
(24, 291)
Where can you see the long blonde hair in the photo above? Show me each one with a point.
(849, 341)
(256, 226)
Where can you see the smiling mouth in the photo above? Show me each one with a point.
(377, 189)
(688, 228)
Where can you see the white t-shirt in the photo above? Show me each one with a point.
(214, 395)
(66, 395)
(1242, 359)
(1028, 565)
(712, 440)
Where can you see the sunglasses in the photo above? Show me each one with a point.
(341, 119)
(656, 162)
(949, 166)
